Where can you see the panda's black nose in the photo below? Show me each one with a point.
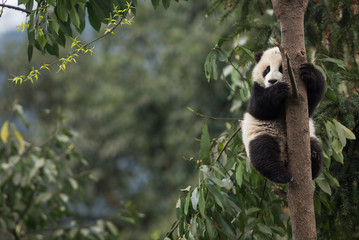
(272, 81)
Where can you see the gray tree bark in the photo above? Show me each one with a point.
(300, 191)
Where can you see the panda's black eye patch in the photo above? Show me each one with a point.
(280, 69)
(266, 71)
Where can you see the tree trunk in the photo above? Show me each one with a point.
(300, 191)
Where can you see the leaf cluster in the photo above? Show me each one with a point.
(40, 185)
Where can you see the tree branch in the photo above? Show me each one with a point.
(291, 76)
(15, 8)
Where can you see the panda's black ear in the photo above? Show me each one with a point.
(258, 56)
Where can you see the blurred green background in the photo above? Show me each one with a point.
(128, 105)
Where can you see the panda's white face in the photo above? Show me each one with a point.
(268, 70)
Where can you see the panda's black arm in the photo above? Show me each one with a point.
(267, 103)
(314, 80)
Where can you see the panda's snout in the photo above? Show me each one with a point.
(272, 81)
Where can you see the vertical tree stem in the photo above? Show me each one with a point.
(300, 191)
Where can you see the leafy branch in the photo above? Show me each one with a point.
(118, 18)
(15, 8)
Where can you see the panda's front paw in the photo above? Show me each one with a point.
(308, 72)
(280, 91)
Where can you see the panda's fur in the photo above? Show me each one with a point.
(264, 128)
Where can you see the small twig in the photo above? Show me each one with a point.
(15, 8)
(210, 117)
(260, 203)
(229, 60)
(291, 76)
(173, 229)
(226, 145)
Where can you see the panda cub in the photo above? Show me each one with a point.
(264, 128)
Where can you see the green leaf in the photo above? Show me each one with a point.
(73, 183)
(178, 209)
(340, 132)
(211, 230)
(19, 2)
(239, 174)
(41, 39)
(195, 198)
(166, 3)
(207, 66)
(340, 63)
(338, 156)
(53, 49)
(30, 50)
(347, 132)
(264, 229)
(61, 10)
(337, 145)
(205, 146)
(222, 55)
(252, 210)
(333, 181)
(155, 3)
(332, 129)
(74, 16)
(226, 226)
(217, 195)
(249, 53)
(43, 197)
(331, 94)
(324, 185)
(113, 229)
(54, 24)
(94, 20)
(186, 205)
(214, 70)
(202, 203)
(29, 4)
(5, 132)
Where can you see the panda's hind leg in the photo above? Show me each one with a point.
(316, 154)
(264, 154)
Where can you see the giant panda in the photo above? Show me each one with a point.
(263, 126)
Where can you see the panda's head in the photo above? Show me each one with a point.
(268, 70)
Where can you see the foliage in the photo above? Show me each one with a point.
(117, 18)
(128, 104)
(41, 184)
(233, 202)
